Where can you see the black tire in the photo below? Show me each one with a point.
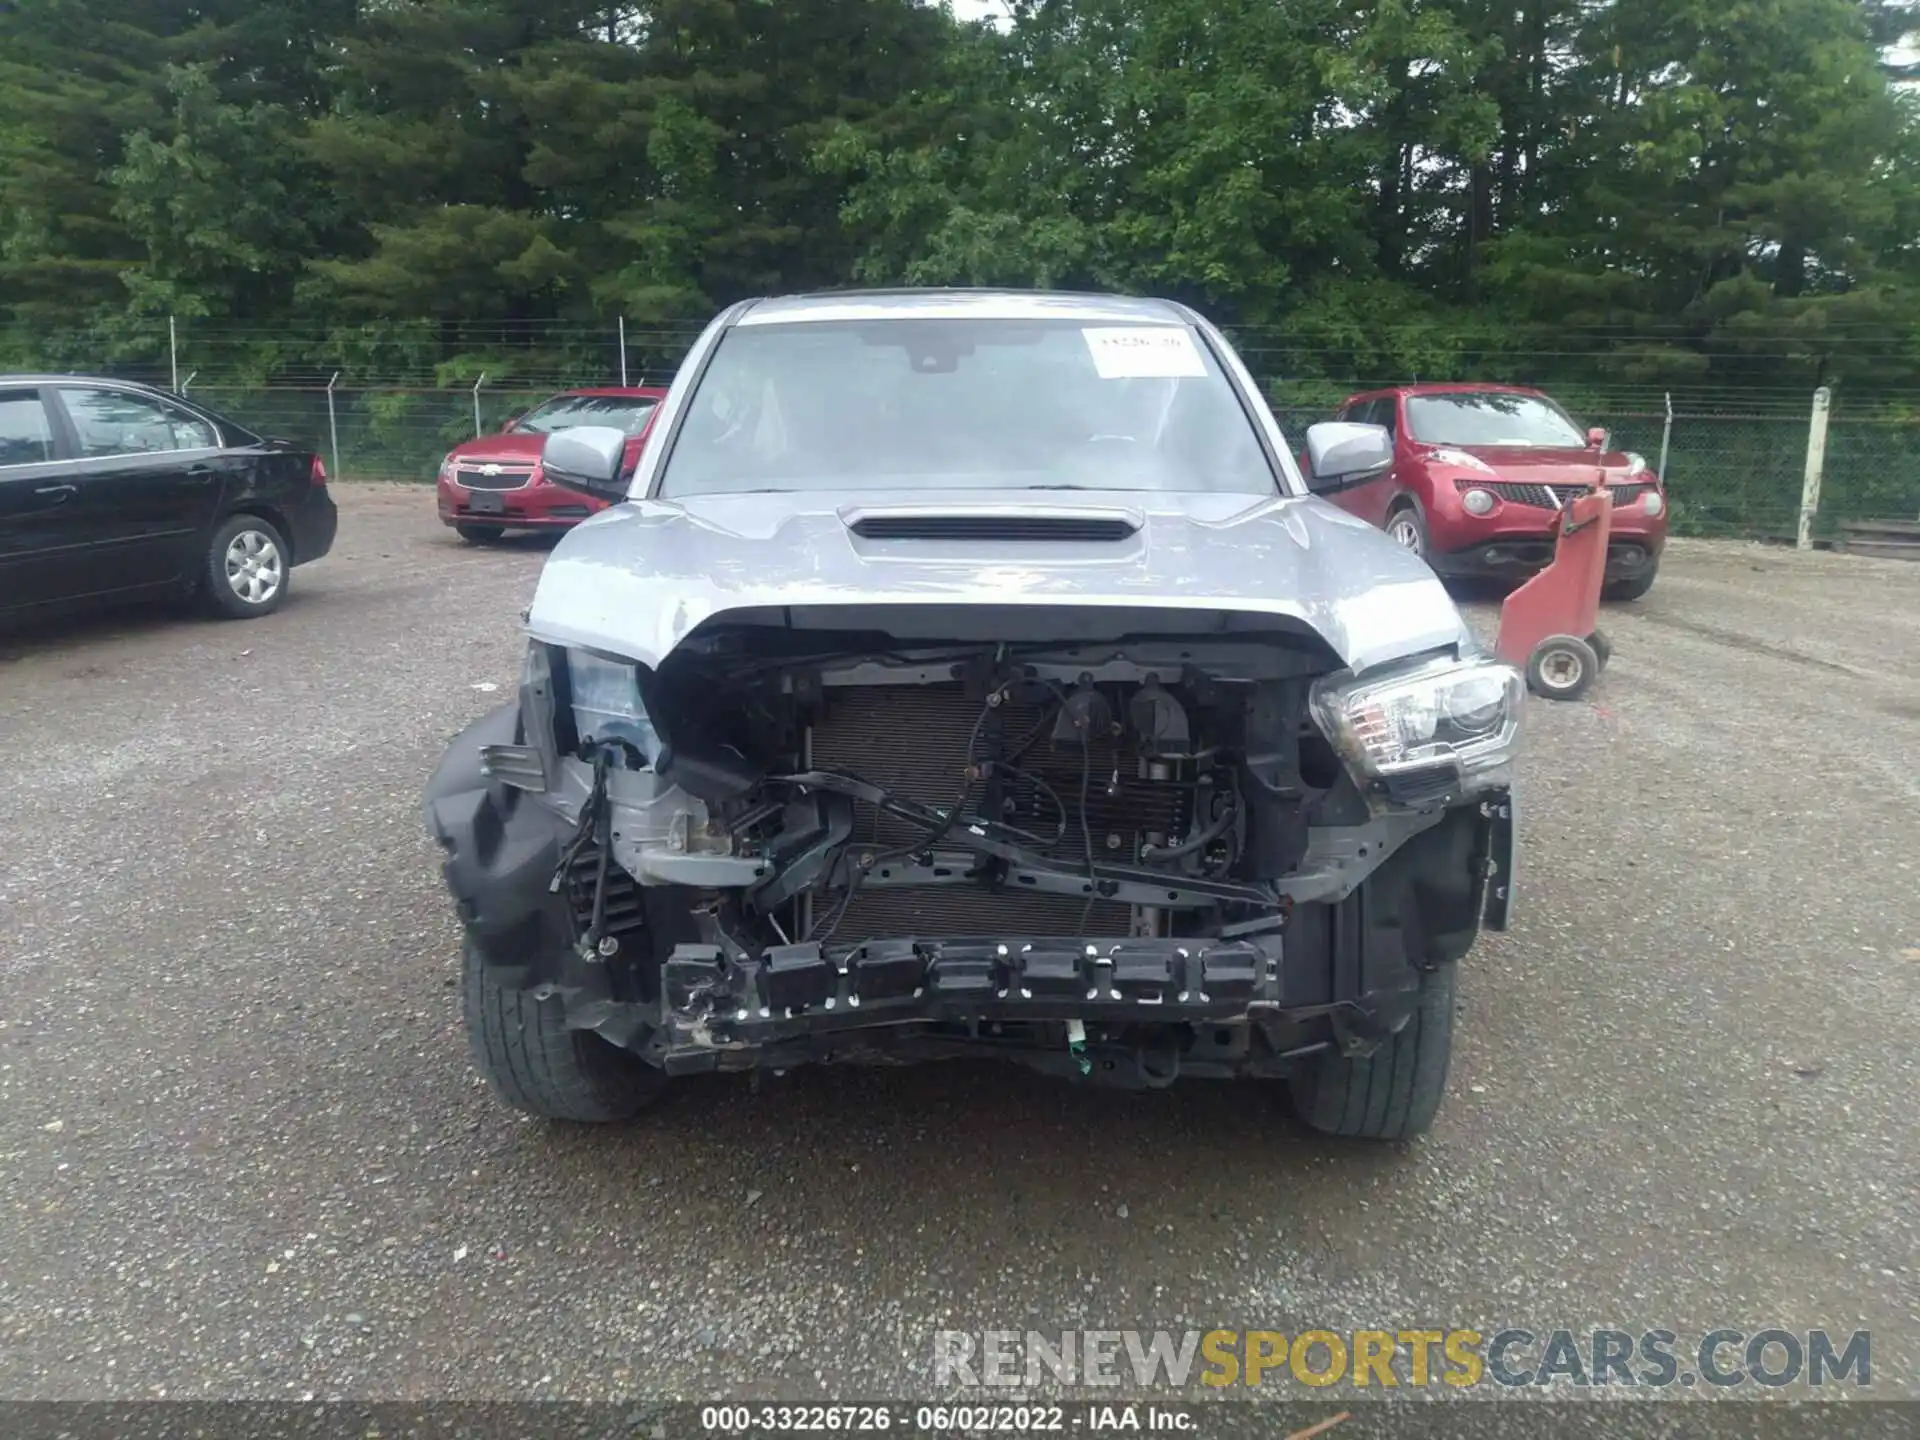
(1394, 1093)
(1633, 589)
(537, 1065)
(479, 534)
(247, 557)
(1562, 667)
(1602, 646)
(1408, 527)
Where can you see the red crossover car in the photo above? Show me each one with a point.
(1480, 472)
(494, 483)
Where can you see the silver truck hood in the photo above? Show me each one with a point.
(636, 579)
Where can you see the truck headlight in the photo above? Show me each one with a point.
(606, 701)
(1466, 713)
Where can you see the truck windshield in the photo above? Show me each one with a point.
(964, 404)
(1490, 418)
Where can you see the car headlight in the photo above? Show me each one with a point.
(606, 701)
(446, 468)
(1654, 503)
(1477, 502)
(1463, 713)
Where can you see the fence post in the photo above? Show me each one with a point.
(181, 387)
(1666, 435)
(623, 352)
(1816, 464)
(333, 424)
(476, 403)
(173, 354)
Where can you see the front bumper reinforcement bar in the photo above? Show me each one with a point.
(716, 1000)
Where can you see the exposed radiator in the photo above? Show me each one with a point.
(912, 741)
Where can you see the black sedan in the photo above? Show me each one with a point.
(113, 490)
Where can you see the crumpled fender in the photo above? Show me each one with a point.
(502, 846)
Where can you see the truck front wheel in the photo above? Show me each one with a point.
(540, 1066)
(1393, 1093)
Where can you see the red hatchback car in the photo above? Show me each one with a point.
(1479, 475)
(494, 483)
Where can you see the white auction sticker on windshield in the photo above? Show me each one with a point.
(1144, 352)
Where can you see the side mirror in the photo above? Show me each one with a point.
(1340, 453)
(587, 458)
(1597, 437)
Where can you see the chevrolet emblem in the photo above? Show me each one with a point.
(489, 469)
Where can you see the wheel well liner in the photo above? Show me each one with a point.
(1418, 910)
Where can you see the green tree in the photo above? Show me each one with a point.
(73, 83)
(1738, 172)
(1643, 192)
(521, 159)
(223, 206)
(1203, 148)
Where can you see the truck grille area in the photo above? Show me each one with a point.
(912, 740)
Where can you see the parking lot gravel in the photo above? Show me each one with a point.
(243, 1152)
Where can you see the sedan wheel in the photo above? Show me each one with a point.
(247, 567)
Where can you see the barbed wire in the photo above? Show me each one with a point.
(387, 399)
(453, 355)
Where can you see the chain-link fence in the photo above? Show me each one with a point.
(1743, 475)
(388, 405)
(376, 432)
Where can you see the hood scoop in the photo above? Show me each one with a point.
(994, 523)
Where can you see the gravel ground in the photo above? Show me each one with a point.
(243, 1152)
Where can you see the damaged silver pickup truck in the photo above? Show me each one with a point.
(974, 674)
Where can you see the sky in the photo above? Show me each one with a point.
(997, 8)
(975, 9)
